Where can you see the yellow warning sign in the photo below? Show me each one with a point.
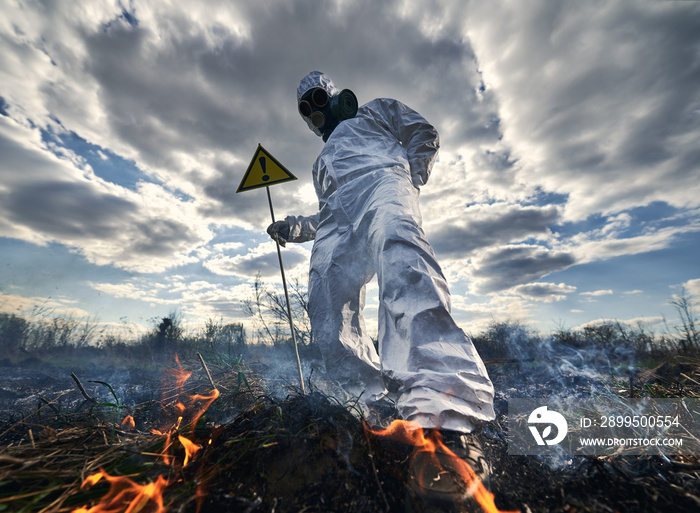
(264, 170)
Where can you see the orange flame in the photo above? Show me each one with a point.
(185, 405)
(166, 446)
(91, 480)
(129, 420)
(126, 496)
(191, 448)
(426, 457)
(181, 375)
(208, 400)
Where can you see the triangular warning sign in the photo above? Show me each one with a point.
(264, 170)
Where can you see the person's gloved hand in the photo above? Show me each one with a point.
(279, 231)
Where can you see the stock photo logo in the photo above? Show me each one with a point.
(542, 418)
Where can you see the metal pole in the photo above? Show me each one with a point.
(286, 295)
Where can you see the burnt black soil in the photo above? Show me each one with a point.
(305, 453)
(309, 454)
(298, 453)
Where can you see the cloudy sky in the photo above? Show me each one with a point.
(567, 188)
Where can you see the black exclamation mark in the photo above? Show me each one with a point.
(262, 165)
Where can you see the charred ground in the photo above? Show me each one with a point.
(265, 447)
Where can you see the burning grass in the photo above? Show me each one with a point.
(254, 452)
(47, 454)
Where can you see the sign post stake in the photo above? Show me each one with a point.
(286, 296)
(265, 170)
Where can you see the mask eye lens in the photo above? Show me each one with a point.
(319, 97)
(304, 108)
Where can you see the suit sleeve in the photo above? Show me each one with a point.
(419, 138)
(302, 228)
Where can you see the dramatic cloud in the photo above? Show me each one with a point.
(546, 292)
(133, 290)
(47, 197)
(594, 94)
(505, 267)
(262, 259)
(568, 137)
(481, 226)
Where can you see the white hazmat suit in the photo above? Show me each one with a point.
(367, 178)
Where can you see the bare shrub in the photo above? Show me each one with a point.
(688, 334)
(507, 339)
(223, 337)
(616, 339)
(13, 332)
(268, 309)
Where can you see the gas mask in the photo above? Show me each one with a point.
(323, 112)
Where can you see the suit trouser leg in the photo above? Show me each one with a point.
(440, 378)
(340, 268)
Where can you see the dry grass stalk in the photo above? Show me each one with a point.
(82, 389)
(207, 371)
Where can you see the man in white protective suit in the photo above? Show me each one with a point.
(367, 179)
